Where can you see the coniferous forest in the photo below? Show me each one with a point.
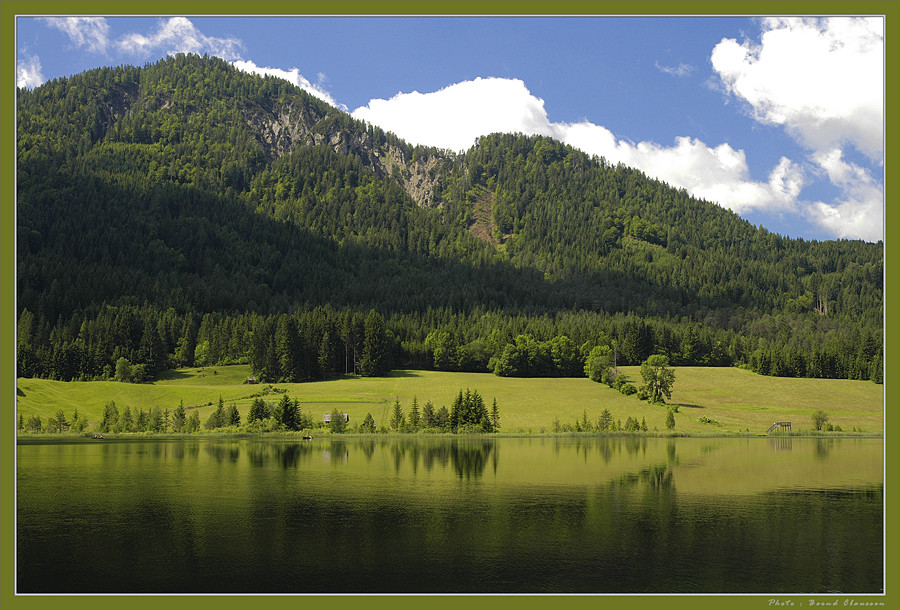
(185, 213)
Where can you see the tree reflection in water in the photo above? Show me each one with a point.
(467, 457)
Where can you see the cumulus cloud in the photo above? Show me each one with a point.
(455, 116)
(293, 76)
(821, 79)
(28, 72)
(719, 174)
(859, 212)
(179, 35)
(90, 32)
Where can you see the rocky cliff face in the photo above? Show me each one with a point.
(282, 129)
(288, 127)
(417, 177)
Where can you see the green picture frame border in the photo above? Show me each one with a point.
(9, 9)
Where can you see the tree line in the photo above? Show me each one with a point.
(129, 343)
(467, 414)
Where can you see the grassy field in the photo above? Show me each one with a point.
(738, 400)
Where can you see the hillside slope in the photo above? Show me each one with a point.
(191, 186)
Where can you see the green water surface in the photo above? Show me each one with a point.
(448, 515)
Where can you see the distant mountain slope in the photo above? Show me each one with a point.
(188, 184)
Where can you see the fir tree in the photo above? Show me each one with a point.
(414, 417)
(368, 424)
(233, 416)
(428, 415)
(178, 418)
(398, 422)
(670, 420)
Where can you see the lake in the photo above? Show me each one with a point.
(446, 515)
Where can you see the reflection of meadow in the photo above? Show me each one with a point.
(630, 514)
(706, 466)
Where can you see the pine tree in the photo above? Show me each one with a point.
(326, 356)
(398, 422)
(187, 342)
(217, 418)
(259, 410)
(288, 411)
(154, 420)
(110, 417)
(605, 421)
(142, 423)
(670, 420)
(58, 424)
(442, 419)
(375, 346)
(428, 415)
(233, 416)
(287, 342)
(126, 422)
(414, 417)
(193, 422)
(368, 424)
(178, 418)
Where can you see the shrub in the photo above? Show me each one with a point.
(819, 418)
(670, 419)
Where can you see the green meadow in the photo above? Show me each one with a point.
(735, 400)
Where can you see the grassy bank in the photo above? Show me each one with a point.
(737, 400)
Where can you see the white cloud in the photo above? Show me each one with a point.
(859, 211)
(680, 70)
(719, 174)
(28, 72)
(454, 116)
(823, 80)
(92, 32)
(293, 76)
(178, 35)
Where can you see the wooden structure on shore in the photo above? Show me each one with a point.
(780, 425)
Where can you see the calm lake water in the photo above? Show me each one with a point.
(550, 515)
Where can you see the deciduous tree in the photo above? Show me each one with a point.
(819, 418)
(658, 378)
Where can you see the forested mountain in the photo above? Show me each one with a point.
(189, 213)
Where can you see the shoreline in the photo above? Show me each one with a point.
(29, 438)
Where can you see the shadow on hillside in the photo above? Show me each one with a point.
(19, 391)
(404, 373)
(172, 375)
(681, 404)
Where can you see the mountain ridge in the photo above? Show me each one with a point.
(189, 184)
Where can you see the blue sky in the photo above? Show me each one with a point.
(780, 120)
